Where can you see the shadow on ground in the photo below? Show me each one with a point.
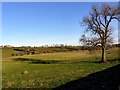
(38, 61)
(108, 79)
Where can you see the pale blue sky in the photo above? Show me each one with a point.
(42, 23)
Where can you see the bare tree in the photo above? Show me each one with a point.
(98, 23)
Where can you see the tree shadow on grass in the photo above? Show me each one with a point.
(38, 61)
(108, 79)
(98, 61)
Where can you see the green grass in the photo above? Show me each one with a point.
(6, 53)
(70, 66)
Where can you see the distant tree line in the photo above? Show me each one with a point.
(62, 48)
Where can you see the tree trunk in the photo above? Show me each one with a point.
(103, 55)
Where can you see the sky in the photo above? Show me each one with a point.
(41, 23)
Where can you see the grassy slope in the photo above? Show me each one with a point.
(73, 66)
(6, 53)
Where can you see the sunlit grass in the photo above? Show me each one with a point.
(73, 65)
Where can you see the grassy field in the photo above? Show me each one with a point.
(53, 69)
